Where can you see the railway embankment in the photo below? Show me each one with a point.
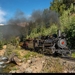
(38, 63)
(33, 62)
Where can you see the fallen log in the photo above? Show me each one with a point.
(14, 58)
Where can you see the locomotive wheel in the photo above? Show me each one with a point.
(39, 50)
(43, 51)
(56, 54)
(70, 54)
(52, 50)
(66, 54)
(63, 55)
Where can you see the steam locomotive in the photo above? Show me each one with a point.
(55, 44)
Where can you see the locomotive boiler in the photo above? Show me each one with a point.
(54, 44)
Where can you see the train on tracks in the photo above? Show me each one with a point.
(54, 44)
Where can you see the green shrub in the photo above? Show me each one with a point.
(15, 41)
(9, 50)
(28, 55)
(71, 33)
(73, 55)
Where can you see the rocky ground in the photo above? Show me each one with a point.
(33, 62)
(45, 64)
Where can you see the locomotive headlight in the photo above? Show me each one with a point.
(62, 43)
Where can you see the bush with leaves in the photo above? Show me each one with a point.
(67, 21)
(71, 33)
(10, 49)
(15, 41)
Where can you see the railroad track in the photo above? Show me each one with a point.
(68, 58)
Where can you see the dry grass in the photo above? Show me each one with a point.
(53, 66)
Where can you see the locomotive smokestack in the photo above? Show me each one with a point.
(59, 33)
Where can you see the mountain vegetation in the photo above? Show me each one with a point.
(60, 15)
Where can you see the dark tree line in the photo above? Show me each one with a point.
(61, 5)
